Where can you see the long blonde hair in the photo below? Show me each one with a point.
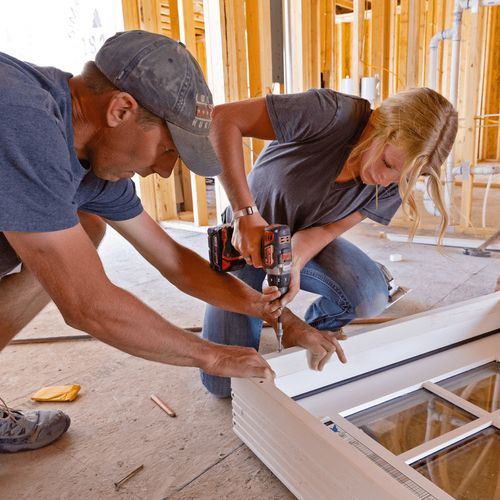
(423, 124)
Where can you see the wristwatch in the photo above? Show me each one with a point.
(245, 211)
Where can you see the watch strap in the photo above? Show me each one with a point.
(245, 211)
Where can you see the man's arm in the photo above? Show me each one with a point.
(68, 267)
(230, 123)
(191, 273)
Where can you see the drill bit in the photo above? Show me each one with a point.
(279, 333)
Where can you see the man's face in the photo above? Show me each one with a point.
(131, 148)
(383, 169)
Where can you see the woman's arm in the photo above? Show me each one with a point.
(230, 123)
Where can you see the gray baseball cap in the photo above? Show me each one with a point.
(165, 79)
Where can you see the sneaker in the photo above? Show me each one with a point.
(29, 430)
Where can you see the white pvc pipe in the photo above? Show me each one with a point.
(429, 205)
(434, 46)
(485, 201)
(488, 169)
(455, 64)
(287, 48)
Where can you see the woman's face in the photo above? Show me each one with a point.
(384, 168)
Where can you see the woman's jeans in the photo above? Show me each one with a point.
(351, 286)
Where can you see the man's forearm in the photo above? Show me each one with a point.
(121, 320)
(195, 277)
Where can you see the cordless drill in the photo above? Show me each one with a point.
(276, 257)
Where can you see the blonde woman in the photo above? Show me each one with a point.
(331, 163)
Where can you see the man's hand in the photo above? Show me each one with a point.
(269, 306)
(236, 361)
(247, 238)
(320, 344)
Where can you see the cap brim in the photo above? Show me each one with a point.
(195, 151)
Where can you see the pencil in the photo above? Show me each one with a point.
(163, 406)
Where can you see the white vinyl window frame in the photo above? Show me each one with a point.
(290, 438)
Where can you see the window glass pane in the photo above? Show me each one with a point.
(410, 420)
(480, 386)
(468, 470)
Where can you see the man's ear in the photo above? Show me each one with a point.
(121, 108)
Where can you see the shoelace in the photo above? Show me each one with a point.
(9, 414)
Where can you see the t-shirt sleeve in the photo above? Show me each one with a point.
(114, 201)
(388, 203)
(302, 116)
(313, 114)
(36, 180)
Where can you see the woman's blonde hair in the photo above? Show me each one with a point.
(423, 124)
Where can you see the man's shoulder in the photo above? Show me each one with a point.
(25, 85)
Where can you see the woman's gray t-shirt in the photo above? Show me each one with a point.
(293, 180)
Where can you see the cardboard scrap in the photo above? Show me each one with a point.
(57, 393)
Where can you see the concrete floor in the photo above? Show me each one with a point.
(116, 427)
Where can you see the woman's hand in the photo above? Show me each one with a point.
(320, 344)
(294, 287)
(247, 238)
(268, 307)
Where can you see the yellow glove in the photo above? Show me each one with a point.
(57, 393)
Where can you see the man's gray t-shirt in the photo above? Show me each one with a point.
(293, 180)
(42, 182)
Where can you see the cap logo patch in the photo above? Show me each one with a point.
(203, 112)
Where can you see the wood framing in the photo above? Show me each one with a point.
(258, 25)
(470, 109)
(381, 31)
(313, 462)
(327, 36)
(157, 194)
(330, 40)
(185, 12)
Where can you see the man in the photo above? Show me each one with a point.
(68, 147)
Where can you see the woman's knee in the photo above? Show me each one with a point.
(372, 306)
(94, 226)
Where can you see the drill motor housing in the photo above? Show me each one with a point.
(276, 253)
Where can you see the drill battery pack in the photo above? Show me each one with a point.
(223, 256)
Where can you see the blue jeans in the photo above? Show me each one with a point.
(351, 286)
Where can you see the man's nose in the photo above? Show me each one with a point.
(164, 169)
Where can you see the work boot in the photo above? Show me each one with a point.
(29, 430)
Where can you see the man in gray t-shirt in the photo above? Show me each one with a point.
(305, 178)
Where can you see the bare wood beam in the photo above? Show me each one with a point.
(381, 33)
(258, 25)
(131, 17)
(470, 109)
(188, 37)
(328, 32)
(412, 59)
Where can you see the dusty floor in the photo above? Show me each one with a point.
(116, 427)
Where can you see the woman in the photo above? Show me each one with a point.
(331, 163)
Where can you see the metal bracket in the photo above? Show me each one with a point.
(481, 251)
